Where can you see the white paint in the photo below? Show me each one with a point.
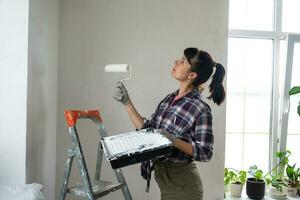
(149, 35)
(13, 87)
(42, 94)
(133, 142)
(117, 68)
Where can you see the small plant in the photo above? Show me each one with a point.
(234, 176)
(293, 91)
(278, 170)
(255, 186)
(256, 173)
(242, 177)
(293, 175)
(275, 176)
(236, 180)
(275, 182)
(227, 176)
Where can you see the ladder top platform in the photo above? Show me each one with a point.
(73, 115)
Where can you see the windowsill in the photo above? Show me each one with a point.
(267, 197)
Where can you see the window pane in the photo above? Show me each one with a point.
(251, 14)
(235, 104)
(257, 112)
(257, 150)
(294, 119)
(293, 137)
(291, 16)
(245, 150)
(249, 86)
(293, 146)
(282, 63)
(234, 151)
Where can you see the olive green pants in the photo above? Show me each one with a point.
(178, 181)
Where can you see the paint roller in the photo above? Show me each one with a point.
(119, 68)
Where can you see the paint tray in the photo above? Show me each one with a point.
(134, 147)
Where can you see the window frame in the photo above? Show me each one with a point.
(291, 41)
(276, 141)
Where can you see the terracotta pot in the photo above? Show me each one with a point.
(255, 189)
(236, 189)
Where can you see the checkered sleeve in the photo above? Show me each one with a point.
(203, 138)
(150, 123)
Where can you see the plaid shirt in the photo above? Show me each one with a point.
(188, 118)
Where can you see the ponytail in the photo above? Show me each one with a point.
(216, 89)
(202, 64)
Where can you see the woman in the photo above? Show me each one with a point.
(184, 118)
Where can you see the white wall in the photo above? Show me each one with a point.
(42, 94)
(150, 35)
(13, 88)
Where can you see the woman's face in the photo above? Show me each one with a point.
(181, 69)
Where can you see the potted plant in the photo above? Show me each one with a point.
(236, 180)
(227, 178)
(276, 187)
(275, 178)
(293, 91)
(255, 186)
(292, 180)
(279, 169)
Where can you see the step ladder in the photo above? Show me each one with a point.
(89, 189)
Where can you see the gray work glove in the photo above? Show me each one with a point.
(121, 94)
(168, 135)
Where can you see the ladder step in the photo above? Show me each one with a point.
(100, 188)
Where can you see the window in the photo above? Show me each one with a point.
(249, 81)
(255, 82)
(290, 16)
(251, 14)
(293, 132)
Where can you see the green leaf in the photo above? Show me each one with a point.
(258, 175)
(294, 90)
(299, 110)
(279, 154)
(242, 177)
(225, 172)
(252, 170)
(230, 176)
(290, 171)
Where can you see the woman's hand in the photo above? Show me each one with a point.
(168, 135)
(121, 94)
(186, 147)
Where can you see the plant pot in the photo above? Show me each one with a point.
(276, 194)
(226, 188)
(291, 191)
(255, 189)
(236, 189)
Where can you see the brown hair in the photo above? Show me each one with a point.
(202, 64)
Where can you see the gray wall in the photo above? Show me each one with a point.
(42, 94)
(149, 35)
(13, 88)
